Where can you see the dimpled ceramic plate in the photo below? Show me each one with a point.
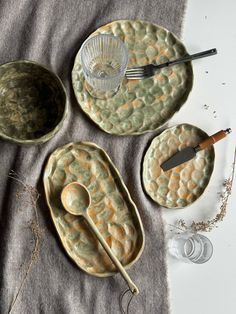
(140, 105)
(33, 102)
(182, 185)
(111, 209)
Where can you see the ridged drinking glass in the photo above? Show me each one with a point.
(191, 247)
(104, 60)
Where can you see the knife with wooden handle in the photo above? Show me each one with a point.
(190, 152)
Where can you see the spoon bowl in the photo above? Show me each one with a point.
(76, 198)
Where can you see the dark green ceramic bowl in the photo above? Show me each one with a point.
(33, 102)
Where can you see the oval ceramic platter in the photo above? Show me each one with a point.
(111, 209)
(182, 185)
(140, 105)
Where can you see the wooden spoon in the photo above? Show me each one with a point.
(76, 200)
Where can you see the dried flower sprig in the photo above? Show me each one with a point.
(37, 232)
(206, 226)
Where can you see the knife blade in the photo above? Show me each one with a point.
(190, 152)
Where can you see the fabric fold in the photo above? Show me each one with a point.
(50, 33)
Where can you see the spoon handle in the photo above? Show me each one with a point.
(114, 259)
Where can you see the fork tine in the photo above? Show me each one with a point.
(134, 74)
(138, 73)
(131, 71)
(134, 77)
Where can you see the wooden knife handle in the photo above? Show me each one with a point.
(212, 139)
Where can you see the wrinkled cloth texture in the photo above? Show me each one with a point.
(51, 32)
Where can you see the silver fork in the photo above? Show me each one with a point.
(145, 71)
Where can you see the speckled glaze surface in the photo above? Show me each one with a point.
(140, 105)
(111, 209)
(32, 102)
(182, 185)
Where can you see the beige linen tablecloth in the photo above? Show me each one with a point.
(51, 32)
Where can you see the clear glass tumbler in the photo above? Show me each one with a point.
(191, 247)
(104, 60)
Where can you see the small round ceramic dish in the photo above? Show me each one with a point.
(184, 184)
(140, 105)
(33, 102)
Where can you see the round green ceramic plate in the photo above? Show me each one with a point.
(33, 102)
(140, 105)
(111, 209)
(182, 185)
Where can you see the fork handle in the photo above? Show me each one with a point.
(188, 58)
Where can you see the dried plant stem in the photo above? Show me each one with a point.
(35, 229)
(177, 227)
(212, 223)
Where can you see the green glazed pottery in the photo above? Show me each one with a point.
(33, 102)
(182, 185)
(111, 209)
(140, 105)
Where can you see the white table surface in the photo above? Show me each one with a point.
(209, 288)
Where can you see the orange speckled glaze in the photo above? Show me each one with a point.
(182, 185)
(140, 105)
(111, 209)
